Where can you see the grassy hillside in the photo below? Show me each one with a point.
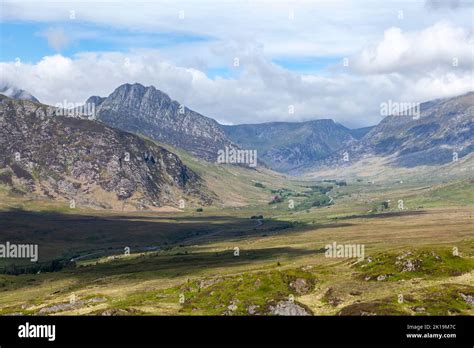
(236, 185)
(381, 170)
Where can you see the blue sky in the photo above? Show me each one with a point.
(308, 64)
(28, 40)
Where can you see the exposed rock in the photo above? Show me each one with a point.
(69, 158)
(419, 309)
(231, 308)
(61, 307)
(97, 300)
(300, 286)
(146, 110)
(331, 298)
(205, 283)
(443, 126)
(407, 263)
(410, 265)
(118, 311)
(298, 143)
(429, 138)
(252, 309)
(288, 308)
(468, 298)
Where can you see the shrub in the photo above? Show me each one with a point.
(257, 217)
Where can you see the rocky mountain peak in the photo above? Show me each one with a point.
(148, 111)
(96, 100)
(16, 93)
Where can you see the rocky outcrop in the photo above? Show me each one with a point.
(442, 128)
(148, 111)
(87, 161)
(288, 308)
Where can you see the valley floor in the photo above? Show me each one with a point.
(419, 256)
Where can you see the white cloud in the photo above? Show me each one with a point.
(319, 28)
(451, 4)
(436, 46)
(405, 60)
(262, 91)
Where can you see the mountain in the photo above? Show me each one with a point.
(283, 146)
(359, 133)
(150, 112)
(441, 130)
(96, 100)
(288, 146)
(88, 162)
(16, 93)
(444, 126)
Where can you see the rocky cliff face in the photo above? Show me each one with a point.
(289, 146)
(442, 130)
(148, 111)
(443, 127)
(87, 161)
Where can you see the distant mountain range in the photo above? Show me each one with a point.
(442, 131)
(87, 161)
(444, 128)
(288, 146)
(283, 146)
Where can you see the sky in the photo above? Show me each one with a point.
(244, 61)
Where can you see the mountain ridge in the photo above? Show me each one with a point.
(151, 112)
(16, 93)
(445, 126)
(442, 132)
(286, 146)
